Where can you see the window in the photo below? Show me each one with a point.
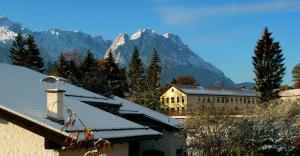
(162, 100)
(241, 100)
(248, 100)
(172, 90)
(208, 99)
(178, 99)
(182, 99)
(172, 99)
(223, 100)
(218, 100)
(226, 100)
(244, 100)
(236, 100)
(231, 100)
(203, 100)
(167, 100)
(213, 99)
(199, 99)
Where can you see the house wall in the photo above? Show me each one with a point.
(167, 144)
(179, 103)
(15, 141)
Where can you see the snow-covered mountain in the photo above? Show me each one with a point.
(176, 57)
(52, 42)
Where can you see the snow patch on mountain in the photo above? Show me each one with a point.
(6, 34)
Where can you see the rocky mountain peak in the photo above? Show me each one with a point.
(143, 33)
(176, 57)
(122, 39)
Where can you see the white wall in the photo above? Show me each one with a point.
(168, 144)
(17, 141)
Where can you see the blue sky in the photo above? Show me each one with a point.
(221, 32)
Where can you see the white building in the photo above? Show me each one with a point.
(31, 120)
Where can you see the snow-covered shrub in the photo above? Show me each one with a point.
(268, 131)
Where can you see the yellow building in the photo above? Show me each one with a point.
(176, 100)
(291, 94)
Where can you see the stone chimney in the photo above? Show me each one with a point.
(55, 98)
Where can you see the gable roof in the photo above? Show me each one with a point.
(129, 107)
(22, 93)
(198, 90)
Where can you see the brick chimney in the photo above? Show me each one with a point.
(55, 98)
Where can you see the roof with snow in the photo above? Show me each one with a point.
(129, 107)
(195, 90)
(22, 94)
(290, 93)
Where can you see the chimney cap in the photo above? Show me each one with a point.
(57, 82)
(52, 79)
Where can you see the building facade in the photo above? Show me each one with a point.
(179, 98)
(291, 94)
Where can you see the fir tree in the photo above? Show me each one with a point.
(17, 51)
(88, 63)
(153, 90)
(73, 72)
(61, 67)
(136, 72)
(153, 71)
(296, 76)
(33, 58)
(268, 67)
(116, 77)
(96, 82)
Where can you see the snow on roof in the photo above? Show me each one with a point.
(21, 91)
(190, 89)
(129, 107)
(290, 92)
(52, 79)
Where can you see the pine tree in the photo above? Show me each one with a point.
(33, 58)
(116, 77)
(95, 81)
(296, 76)
(73, 73)
(17, 51)
(153, 71)
(136, 72)
(268, 67)
(87, 67)
(88, 62)
(153, 89)
(61, 67)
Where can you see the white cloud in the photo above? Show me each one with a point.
(183, 15)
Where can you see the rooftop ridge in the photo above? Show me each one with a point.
(112, 129)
